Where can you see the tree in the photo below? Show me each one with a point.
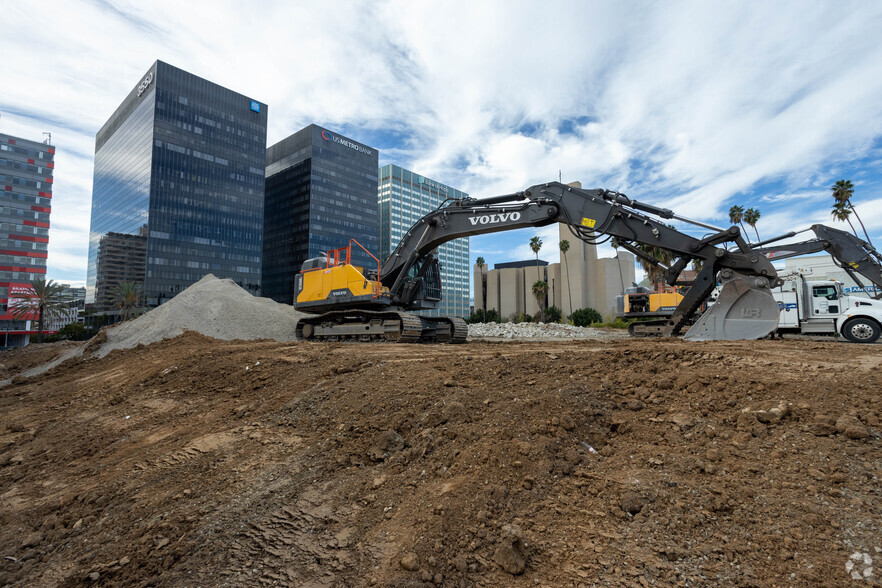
(564, 247)
(751, 216)
(536, 245)
(540, 289)
(655, 272)
(843, 190)
(44, 299)
(128, 299)
(736, 215)
(841, 212)
(480, 261)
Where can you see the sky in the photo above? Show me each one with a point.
(694, 106)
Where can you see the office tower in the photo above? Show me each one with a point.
(404, 197)
(179, 168)
(26, 169)
(321, 191)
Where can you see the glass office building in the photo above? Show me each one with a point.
(179, 184)
(26, 169)
(403, 198)
(321, 191)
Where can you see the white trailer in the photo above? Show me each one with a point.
(823, 307)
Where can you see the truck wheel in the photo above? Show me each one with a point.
(861, 330)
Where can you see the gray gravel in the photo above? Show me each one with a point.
(216, 308)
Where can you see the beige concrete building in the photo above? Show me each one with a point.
(581, 280)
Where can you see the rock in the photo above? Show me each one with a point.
(32, 540)
(461, 563)
(822, 429)
(161, 542)
(410, 562)
(851, 427)
(124, 560)
(773, 415)
(511, 554)
(713, 455)
(634, 404)
(632, 503)
(94, 576)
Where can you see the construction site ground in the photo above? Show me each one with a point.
(612, 462)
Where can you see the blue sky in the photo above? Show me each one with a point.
(694, 106)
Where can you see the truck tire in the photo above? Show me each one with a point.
(861, 330)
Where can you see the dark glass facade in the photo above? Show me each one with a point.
(180, 164)
(321, 191)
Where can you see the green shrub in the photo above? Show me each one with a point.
(553, 314)
(523, 318)
(484, 316)
(585, 316)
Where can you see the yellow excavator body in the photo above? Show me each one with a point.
(339, 280)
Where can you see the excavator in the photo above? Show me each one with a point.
(852, 254)
(360, 304)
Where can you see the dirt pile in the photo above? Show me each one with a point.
(625, 463)
(218, 308)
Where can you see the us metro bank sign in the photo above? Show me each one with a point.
(328, 136)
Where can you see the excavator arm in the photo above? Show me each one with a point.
(852, 254)
(745, 310)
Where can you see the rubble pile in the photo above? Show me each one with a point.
(541, 331)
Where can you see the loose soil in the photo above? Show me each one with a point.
(199, 462)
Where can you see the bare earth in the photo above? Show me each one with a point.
(198, 462)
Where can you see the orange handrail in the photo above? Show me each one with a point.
(336, 257)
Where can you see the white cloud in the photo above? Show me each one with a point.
(687, 104)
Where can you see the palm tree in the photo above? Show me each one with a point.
(751, 215)
(128, 299)
(536, 245)
(540, 289)
(843, 190)
(655, 273)
(841, 212)
(44, 299)
(480, 261)
(564, 247)
(736, 215)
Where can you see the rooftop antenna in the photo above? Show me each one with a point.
(48, 139)
(559, 176)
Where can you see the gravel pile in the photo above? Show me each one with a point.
(542, 331)
(214, 307)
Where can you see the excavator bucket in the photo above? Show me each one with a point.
(745, 309)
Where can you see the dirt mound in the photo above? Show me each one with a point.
(214, 307)
(642, 462)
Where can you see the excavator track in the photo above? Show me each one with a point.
(389, 326)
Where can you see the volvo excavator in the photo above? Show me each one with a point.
(366, 304)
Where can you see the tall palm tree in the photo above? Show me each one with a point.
(536, 245)
(128, 299)
(751, 216)
(736, 215)
(843, 190)
(480, 261)
(564, 247)
(44, 299)
(540, 289)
